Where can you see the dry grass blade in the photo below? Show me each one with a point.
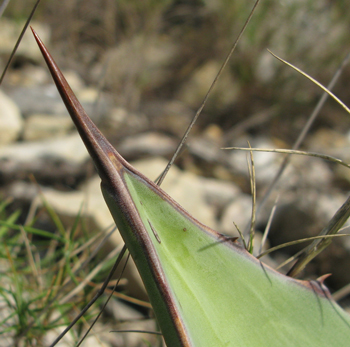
(293, 151)
(241, 235)
(137, 331)
(310, 252)
(184, 138)
(251, 169)
(121, 295)
(91, 275)
(305, 129)
(268, 225)
(296, 242)
(341, 293)
(109, 297)
(97, 295)
(31, 258)
(314, 81)
(341, 215)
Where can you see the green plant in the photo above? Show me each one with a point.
(136, 188)
(38, 277)
(205, 289)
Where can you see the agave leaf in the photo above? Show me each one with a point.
(205, 290)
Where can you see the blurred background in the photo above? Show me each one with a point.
(141, 70)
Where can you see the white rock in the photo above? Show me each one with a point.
(10, 32)
(223, 95)
(239, 212)
(41, 126)
(11, 122)
(130, 78)
(219, 193)
(70, 149)
(266, 164)
(28, 76)
(97, 337)
(121, 311)
(45, 99)
(151, 143)
(139, 339)
(89, 201)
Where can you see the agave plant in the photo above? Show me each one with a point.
(205, 289)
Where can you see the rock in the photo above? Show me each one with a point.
(122, 311)
(139, 339)
(55, 159)
(122, 122)
(28, 76)
(207, 150)
(22, 191)
(145, 64)
(28, 47)
(88, 198)
(76, 82)
(38, 100)
(238, 211)
(333, 143)
(266, 164)
(40, 126)
(170, 116)
(318, 175)
(219, 194)
(223, 95)
(266, 67)
(98, 338)
(10, 120)
(45, 99)
(152, 144)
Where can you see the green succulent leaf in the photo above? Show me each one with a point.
(206, 290)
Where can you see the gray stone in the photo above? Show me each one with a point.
(11, 122)
(139, 339)
(28, 76)
(98, 338)
(223, 95)
(266, 164)
(28, 48)
(152, 143)
(40, 126)
(219, 193)
(170, 116)
(239, 212)
(22, 191)
(145, 66)
(50, 158)
(208, 151)
(38, 100)
(121, 311)
(122, 122)
(89, 198)
(45, 99)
